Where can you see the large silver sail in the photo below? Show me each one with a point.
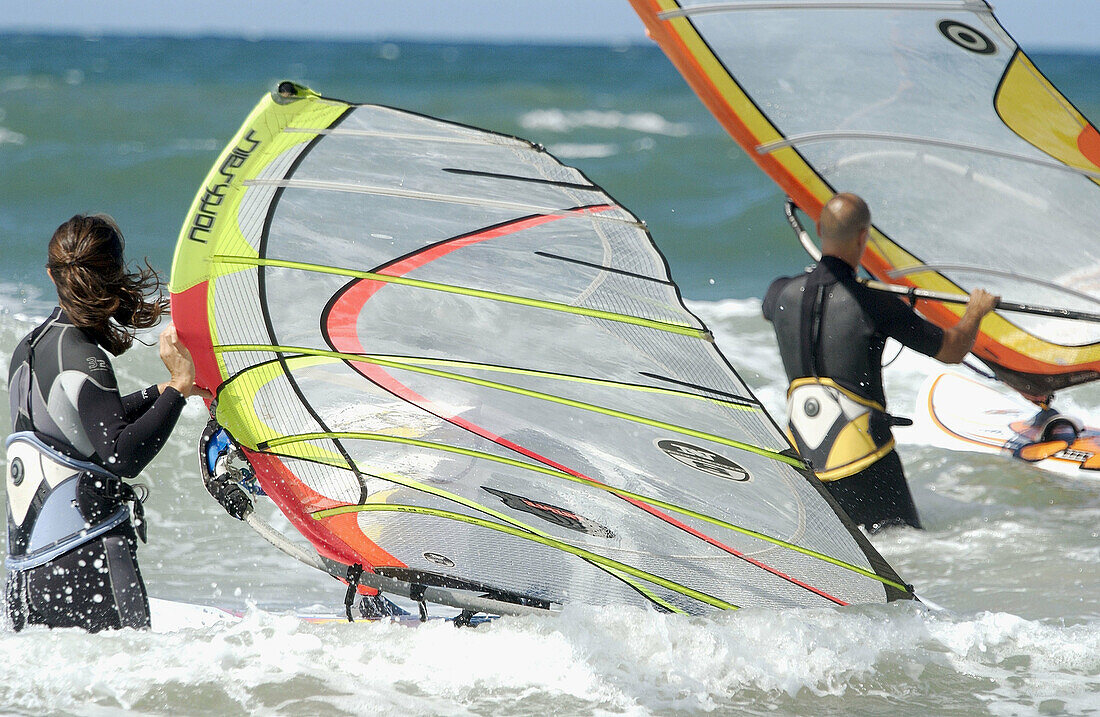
(458, 362)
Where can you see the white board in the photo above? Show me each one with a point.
(961, 413)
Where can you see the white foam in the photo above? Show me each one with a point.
(1010, 552)
(587, 661)
(556, 120)
(725, 308)
(8, 136)
(583, 151)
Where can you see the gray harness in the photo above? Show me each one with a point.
(56, 502)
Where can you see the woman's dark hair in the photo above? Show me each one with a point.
(94, 287)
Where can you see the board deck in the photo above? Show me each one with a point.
(960, 413)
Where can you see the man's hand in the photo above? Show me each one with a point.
(981, 303)
(959, 339)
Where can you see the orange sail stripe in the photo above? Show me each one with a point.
(1089, 144)
(685, 61)
(333, 539)
(1034, 360)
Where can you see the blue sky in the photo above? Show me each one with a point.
(1070, 24)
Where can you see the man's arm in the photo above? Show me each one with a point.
(959, 339)
(771, 298)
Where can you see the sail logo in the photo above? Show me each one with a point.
(966, 37)
(439, 559)
(214, 194)
(704, 460)
(552, 513)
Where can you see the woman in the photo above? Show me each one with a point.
(72, 550)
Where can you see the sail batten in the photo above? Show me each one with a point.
(806, 138)
(425, 196)
(404, 137)
(478, 293)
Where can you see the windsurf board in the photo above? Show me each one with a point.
(960, 413)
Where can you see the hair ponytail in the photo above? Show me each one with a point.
(94, 287)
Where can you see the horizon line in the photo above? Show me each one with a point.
(612, 43)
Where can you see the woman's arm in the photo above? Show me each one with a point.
(125, 447)
(127, 433)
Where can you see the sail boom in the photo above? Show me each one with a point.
(981, 270)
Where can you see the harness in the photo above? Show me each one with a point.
(839, 432)
(56, 502)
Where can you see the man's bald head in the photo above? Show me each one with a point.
(842, 224)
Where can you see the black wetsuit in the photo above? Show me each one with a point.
(65, 392)
(851, 323)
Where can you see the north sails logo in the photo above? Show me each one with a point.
(213, 195)
(552, 514)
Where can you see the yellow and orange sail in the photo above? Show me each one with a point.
(978, 171)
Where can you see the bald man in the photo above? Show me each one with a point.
(831, 331)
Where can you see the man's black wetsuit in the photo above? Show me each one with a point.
(831, 332)
(64, 397)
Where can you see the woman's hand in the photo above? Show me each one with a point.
(177, 359)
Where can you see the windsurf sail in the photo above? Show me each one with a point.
(458, 363)
(979, 173)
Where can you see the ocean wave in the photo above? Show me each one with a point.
(556, 120)
(197, 145)
(20, 83)
(588, 661)
(24, 302)
(8, 136)
(725, 308)
(583, 151)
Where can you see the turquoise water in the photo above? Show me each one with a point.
(130, 126)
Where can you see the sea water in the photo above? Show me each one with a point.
(129, 126)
